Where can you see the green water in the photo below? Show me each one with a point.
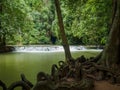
(13, 64)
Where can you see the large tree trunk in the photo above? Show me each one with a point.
(110, 56)
(62, 32)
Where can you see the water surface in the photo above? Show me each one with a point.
(13, 64)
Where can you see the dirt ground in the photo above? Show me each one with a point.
(104, 85)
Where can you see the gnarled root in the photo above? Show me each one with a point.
(44, 82)
(17, 84)
(24, 83)
(2, 84)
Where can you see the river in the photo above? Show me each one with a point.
(30, 63)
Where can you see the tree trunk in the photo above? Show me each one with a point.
(62, 32)
(110, 56)
(4, 40)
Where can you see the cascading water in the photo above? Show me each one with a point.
(46, 48)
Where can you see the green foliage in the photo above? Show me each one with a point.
(15, 19)
(29, 21)
(88, 20)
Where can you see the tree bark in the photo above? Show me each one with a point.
(62, 31)
(110, 56)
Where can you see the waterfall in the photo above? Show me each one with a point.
(46, 48)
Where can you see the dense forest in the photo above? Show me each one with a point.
(85, 22)
(25, 22)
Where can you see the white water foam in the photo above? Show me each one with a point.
(50, 48)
